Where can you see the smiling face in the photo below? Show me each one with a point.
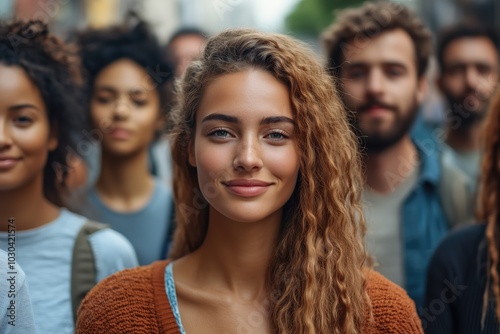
(245, 149)
(382, 87)
(125, 107)
(25, 136)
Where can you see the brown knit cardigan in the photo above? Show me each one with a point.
(135, 301)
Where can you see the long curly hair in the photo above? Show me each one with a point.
(489, 200)
(54, 67)
(316, 275)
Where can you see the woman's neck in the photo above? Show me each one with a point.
(126, 181)
(26, 206)
(235, 256)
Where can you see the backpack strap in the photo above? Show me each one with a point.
(83, 269)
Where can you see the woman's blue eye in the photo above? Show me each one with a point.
(220, 133)
(276, 135)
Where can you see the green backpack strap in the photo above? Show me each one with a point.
(83, 269)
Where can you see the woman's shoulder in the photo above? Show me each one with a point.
(122, 302)
(121, 287)
(392, 310)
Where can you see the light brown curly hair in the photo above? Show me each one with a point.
(489, 200)
(355, 28)
(316, 275)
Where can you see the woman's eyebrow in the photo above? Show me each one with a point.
(233, 119)
(277, 119)
(221, 117)
(110, 89)
(21, 106)
(104, 88)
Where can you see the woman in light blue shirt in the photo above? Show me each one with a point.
(40, 120)
(127, 84)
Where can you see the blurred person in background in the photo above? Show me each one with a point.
(127, 78)
(469, 71)
(463, 285)
(41, 116)
(185, 45)
(378, 55)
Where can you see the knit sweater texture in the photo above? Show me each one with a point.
(135, 301)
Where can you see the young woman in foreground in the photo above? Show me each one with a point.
(267, 185)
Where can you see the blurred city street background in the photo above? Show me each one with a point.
(302, 18)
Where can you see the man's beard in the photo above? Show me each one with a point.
(462, 113)
(375, 140)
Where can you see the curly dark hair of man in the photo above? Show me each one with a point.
(355, 28)
(101, 47)
(54, 68)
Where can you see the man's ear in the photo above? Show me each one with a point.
(191, 155)
(53, 141)
(421, 89)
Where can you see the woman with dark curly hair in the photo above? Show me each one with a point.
(40, 120)
(270, 229)
(463, 282)
(127, 81)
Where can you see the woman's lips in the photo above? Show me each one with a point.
(8, 163)
(247, 188)
(119, 133)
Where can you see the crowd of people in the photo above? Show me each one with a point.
(236, 184)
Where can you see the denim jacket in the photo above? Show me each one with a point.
(424, 223)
